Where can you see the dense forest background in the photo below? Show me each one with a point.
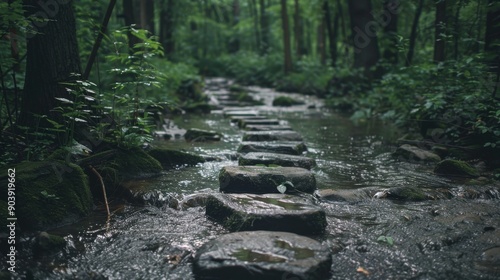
(99, 71)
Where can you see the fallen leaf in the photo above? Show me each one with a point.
(362, 270)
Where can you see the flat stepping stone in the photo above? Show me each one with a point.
(273, 135)
(238, 118)
(243, 123)
(261, 179)
(263, 255)
(275, 212)
(267, 127)
(276, 159)
(288, 148)
(199, 135)
(241, 113)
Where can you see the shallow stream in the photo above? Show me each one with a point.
(457, 238)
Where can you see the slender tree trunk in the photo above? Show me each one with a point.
(321, 42)
(343, 28)
(492, 40)
(390, 23)
(366, 51)
(456, 27)
(52, 57)
(331, 31)
(255, 17)
(264, 28)
(167, 27)
(413, 34)
(286, 38)
(130, 19)
(440, 30)
(298, 30)
(234, 43)
(148, 16)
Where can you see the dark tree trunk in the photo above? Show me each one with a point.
(298, 30)
(234, 43)
(264, 28)
(148, 15)
(390, 23)
(130, 19)
(492, 38)
(322, 42)
(167, 27)
(332, 31)
(456, 29)
(52, 56)
(440, 30)
(286, 38)
(413, 34)
(255, 17)
(366, 51)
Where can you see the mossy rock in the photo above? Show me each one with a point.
(48, 243)
(172, 158)
(285, 101)
(49, 193)
(407, 194)
(136, 163)
(236, 88)
(455, 168)
(197, 107)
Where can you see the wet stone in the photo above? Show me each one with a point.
(277, 135)
(281, 212)
(412, 153)
(267, 127)
(276, 159)
(288, 148)
(237, 119)
(243, 123)
(262, 255)
(260, 179)
(241, 113)
(199, 135)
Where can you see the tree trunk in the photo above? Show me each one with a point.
(440, 30)
(52, 56)
(298, 30)
(255, 17)
(148, 15)
(264, 28)
(332, 32)
(390, 23)
(491, 41)
(167, 27)
(366, 51)
(234, 41)
(286, 38)
(456, 29)
(130, 19)
(413, 34)
(322, 42)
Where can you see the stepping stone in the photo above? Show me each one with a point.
(198, 135)
(263, 255)
(289, 148)
(238, 119)
(274, 135)
(260, 179)
(241, 113)
(267, 127)
(243, 123)
(279, 212)
(276, 159)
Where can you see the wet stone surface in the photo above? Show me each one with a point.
(279, 212)
(277, 135)
(267, 127)
(288, 148)
(270, 159)
(262, 255)
(258, 179)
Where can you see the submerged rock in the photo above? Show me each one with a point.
(276, 159)
(412, 153)
(199, 135)
(277, 135)
(288, 148)
(194, 200)
(451, 167)
(48, 243)
(173, 158)
(262, 255)
(257, 179)
(281, 212)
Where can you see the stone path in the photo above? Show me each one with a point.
(267, 203)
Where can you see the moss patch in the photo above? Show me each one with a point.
(285, 101)
(172, 158)
(49, 193)
(451, 167)
(136, 163)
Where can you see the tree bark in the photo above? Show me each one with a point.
(321, 42)
(52, 56)
(148, 15)
(440, 30)
(255, 17)
(298, 30)
(366, 51)
(491, 40)
(234, 41)
(286, 38)
(390, 23)
(413, 34)
(130, 19)
(167, 24)
(332, 31)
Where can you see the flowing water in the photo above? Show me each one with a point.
(457, 238)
